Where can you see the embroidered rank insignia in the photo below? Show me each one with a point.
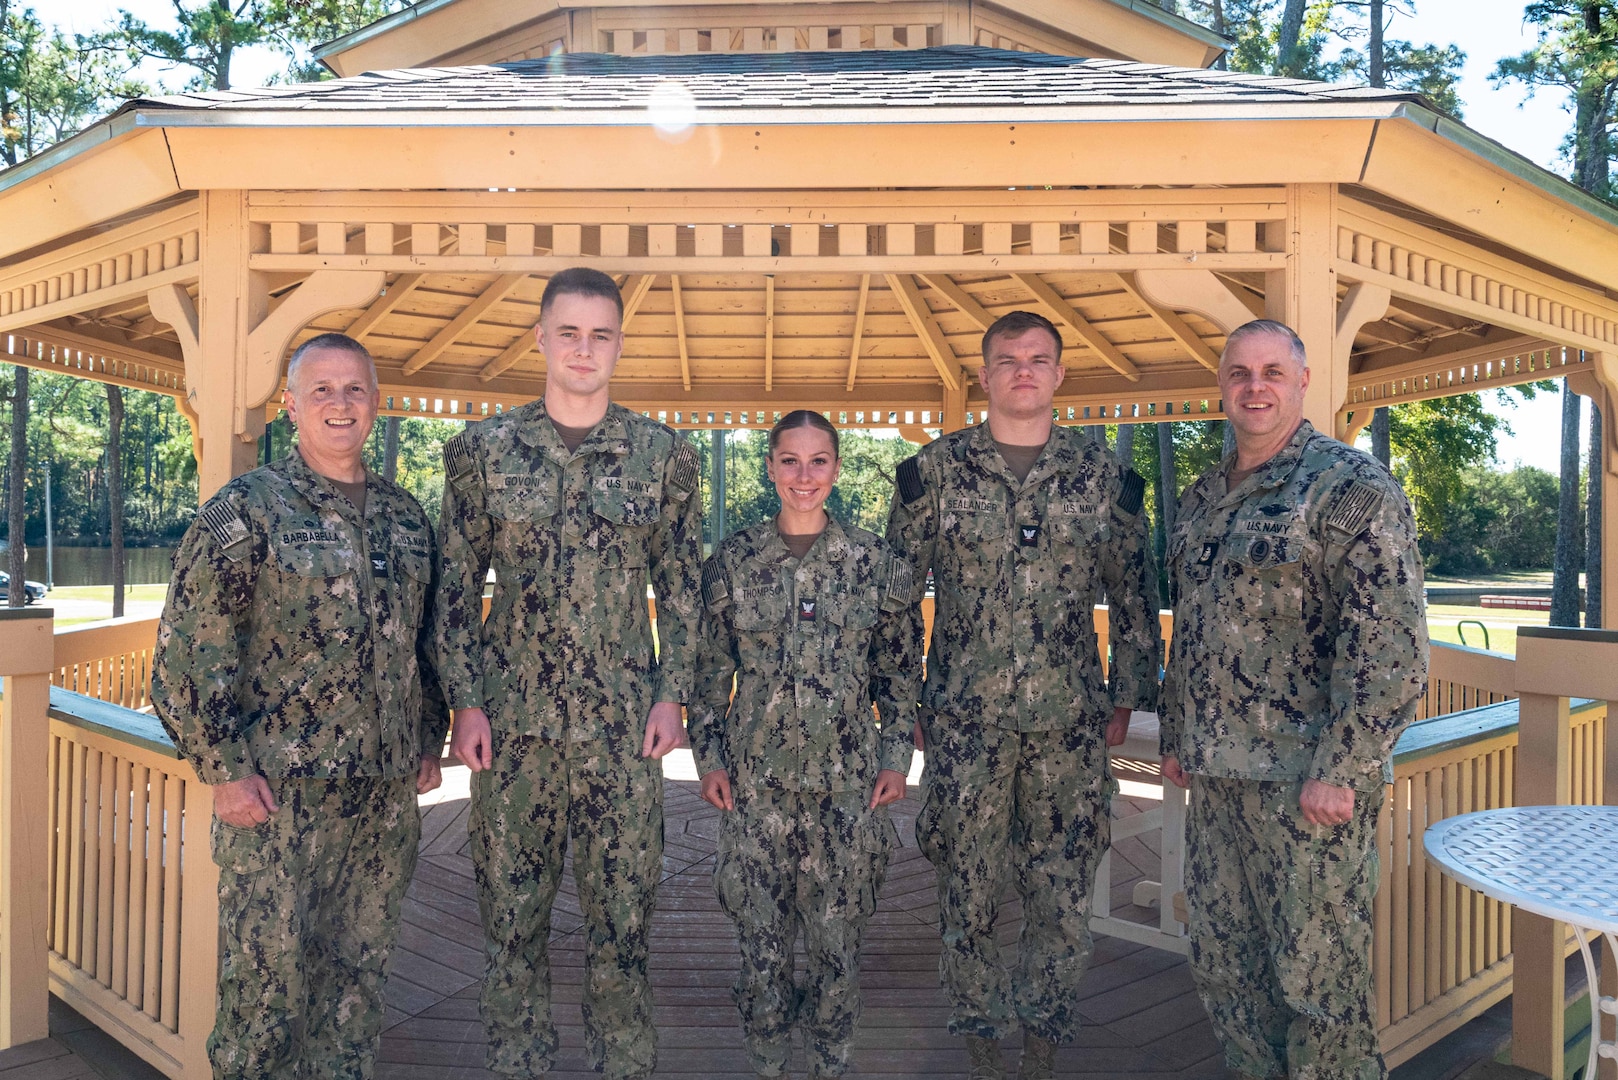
(683, 476)
(1028, 535)
(1355, 509)
(806, 609)
(458, 458)
(227, 526)
(1132, 493)
(1210, 552)
(715, 590)
(908, 479)
(379, 566)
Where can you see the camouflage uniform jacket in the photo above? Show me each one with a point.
(572, 539)
(296, 638)
(1300, 636)
(1017, 570)
(811, 643)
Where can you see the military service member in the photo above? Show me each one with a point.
(560, 709)
(812, 619)
(293, 671)
(1023, 524)
(1300, 649)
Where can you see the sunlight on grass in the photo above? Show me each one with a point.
(1443, 625)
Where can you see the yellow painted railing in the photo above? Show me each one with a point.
(133, 889)
(109, 661)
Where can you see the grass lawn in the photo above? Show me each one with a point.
(1443, 625)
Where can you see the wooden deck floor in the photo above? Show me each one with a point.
(1144, 1017)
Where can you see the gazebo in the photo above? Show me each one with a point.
(808, 205)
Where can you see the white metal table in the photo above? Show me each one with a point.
(1560, 862)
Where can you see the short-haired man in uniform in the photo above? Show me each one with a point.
(293, 671)
(1300, 651)
(1024, 524)
(560, 708)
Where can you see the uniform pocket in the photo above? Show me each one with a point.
(415, 573)
(238, 849)
(1268, 573)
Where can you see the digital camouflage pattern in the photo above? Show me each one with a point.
(1281, 930)
(1034, 806)
(791, 860)
(1014, 642)
(1015, 703)
(810, 644)
(564, 668)
(1300, 652)
(296, 640)
(308, 912)
(1300, 645)
(295, 643)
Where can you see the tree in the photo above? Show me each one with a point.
(205, 38)
(50, 85)
(1435, 444)
(295, 25)
(1565, 573)
(1592, 526)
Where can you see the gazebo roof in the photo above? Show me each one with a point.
(620, 89)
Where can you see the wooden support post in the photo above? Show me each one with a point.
(27, 657)
(859, 331)
(954, 410)
(1304, 295)
(1553, 665)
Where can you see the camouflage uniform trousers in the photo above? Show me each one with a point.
(1281, 929)
(609, 800)
(1036, 803)
(813, 861)
(308, 912)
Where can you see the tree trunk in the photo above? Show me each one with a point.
(1592, 524)
(1097, 433)
(16, 507)
(1126, 446)
(1168, 496)
(1565, 574)
(1381, 439)
(1375, 52)
(115, 492)
(390, 449)
(1287, 60)
(1230, 438)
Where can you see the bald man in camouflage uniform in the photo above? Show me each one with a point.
(293, 671)
(1300, 651)
(810, 644)
(1024, 525)
(561, 709)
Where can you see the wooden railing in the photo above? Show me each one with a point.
(133, 889)
(109, 661)
(1461, 678)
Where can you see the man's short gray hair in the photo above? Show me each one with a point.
(341, 342)
(1270, 327)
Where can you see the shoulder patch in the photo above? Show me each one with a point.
(1355, 508)
(1132, 492)
(896, 590)
(715, 589)
(458, 465)
(908, 479)
(227, 526)
(683, 474)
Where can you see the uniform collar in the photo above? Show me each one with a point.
(1062, 450)
(1274, 472)
(610, 436)
(318, 489)
(831, 544)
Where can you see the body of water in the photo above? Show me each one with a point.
(93, 565)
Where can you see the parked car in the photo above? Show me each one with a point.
(32, 590)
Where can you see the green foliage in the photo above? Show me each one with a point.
(1429, 70)
(206, 35)
(52, 85)
(1436, 445)
(1502, 521)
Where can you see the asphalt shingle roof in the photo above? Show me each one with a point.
(955, 76)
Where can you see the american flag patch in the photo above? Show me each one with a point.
(897, 593)
(683, 478)
(227, 525)
(1355, 508)
(715, 590)
(457, 458)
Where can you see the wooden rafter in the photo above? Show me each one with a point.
(921, 319)
(1066, 313)
(503, 286)
(1177, 327)
(402, 286)
(859, 330)
(960, 298)
(635, 288)
(679, 332)
(769, 332)
(509, 356)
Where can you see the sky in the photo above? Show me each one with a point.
(1485, 29)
